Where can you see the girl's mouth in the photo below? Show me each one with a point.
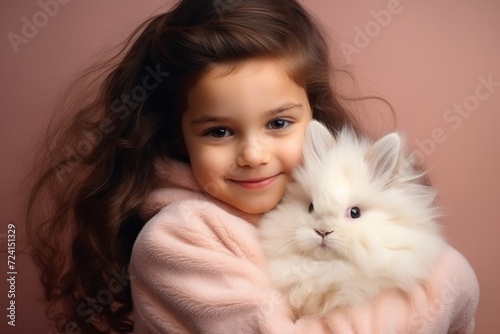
(255, 184)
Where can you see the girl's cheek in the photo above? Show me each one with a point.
(293, 156)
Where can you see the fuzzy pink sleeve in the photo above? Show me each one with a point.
(197, 269)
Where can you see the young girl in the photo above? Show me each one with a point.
(144, 212)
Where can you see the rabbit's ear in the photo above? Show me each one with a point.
(317, 142)
(383, 157)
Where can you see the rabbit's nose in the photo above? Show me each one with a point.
(323, 233)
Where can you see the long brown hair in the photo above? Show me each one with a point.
(96, 167)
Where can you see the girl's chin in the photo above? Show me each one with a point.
(256, 208)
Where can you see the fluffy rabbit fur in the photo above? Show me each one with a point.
(355, 220)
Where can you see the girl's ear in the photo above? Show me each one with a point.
(383, 157)
(318, 141)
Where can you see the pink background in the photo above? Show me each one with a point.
(426, 58)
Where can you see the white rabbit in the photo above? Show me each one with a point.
(356, 220)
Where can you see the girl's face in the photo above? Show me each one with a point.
(244, 131)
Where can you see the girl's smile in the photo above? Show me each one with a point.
(256, 183)
(243, 131)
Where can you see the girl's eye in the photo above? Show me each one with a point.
(354, 212)
(278, 124)
(311, 208)
(218, 133)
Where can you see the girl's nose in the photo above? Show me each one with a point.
(253, 153)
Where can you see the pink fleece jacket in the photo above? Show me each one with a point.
(197, 267)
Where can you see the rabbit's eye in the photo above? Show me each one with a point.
(311, 208)
(354, 212)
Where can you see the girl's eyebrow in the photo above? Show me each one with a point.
(283, 108)
(207, 118)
